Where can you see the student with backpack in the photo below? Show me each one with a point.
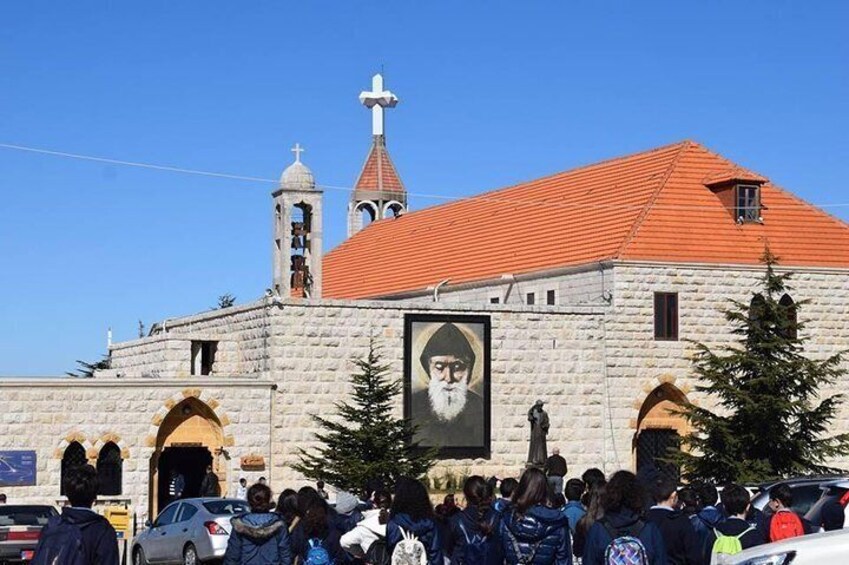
(783, 523)
(622, 536)
(473, 532)
(315, 539)
(708, 517)
(411, 531)
(79, 536)
(682, 543)
(734, 534)
(260, 536)
(532, 533)
(372, 529)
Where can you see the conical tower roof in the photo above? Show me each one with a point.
(378, 178)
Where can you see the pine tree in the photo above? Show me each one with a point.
(86, 370)
(365, 443)
(771, 421)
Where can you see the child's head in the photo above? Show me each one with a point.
(574, 489)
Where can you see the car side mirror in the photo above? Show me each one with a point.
(148, 524)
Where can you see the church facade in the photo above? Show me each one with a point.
(582, 289)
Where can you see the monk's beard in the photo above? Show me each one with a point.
(447, 400)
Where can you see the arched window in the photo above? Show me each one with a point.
(756, 308)
(109, 465)
(788, 307)
(73, 457)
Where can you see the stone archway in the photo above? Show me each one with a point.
(659, 427)
(189, 437)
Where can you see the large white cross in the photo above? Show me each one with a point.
(377, 100)
(297, 150)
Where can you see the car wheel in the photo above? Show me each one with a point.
(138, 557)
(190, 555)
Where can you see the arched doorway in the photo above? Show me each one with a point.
(189, 439)
(660, 429)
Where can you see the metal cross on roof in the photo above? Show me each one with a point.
(377, 99)
(297, 150)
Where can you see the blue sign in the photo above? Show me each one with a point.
(17, 468)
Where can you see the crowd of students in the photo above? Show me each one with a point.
(595, 520)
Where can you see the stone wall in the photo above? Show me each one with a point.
(46, 415)
(580, 285)
(552, 353)
(637, 363)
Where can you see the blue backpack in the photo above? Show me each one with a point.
(317, 554)
(60, 542)
(476, 549)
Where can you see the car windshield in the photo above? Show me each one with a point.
(13, 515)
(226, 507)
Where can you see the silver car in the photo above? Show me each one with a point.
(188, 531)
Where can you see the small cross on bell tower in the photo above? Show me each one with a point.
(297, 243)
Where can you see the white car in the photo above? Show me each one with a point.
(825, 548)
(188, 532)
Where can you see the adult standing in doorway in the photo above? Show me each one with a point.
(176, 485)
(556, 469)
(209, 486)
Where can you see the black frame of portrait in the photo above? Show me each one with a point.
(452, 452)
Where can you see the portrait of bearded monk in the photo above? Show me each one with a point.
(448, 413)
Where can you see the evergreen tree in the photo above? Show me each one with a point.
(86, 370)
(771, 421)
(365, 444)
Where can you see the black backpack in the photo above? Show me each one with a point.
(61, 543)
(378, 553)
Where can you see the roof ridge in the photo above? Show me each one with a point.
(485, 194)
(638, 222)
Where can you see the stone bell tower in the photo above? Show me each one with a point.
(297, 232)
(378, 193)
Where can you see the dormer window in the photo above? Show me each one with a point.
(739, 191)
(748, 207)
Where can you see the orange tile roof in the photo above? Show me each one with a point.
(653, 205)
(378, 173)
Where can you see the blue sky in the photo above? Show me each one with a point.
(491, 93)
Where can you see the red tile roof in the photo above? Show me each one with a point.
(653, 205)
(378, 173)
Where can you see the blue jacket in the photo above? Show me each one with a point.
(258, 539)
(464, 527)
(599, 538)
(707, 519)
(425, 530)
(542, 531)
(573, 511)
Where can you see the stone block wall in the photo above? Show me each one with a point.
(584, 285)
(46, 415)
(637, 363)
(553, 353)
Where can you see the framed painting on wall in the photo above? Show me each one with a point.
(447, 382)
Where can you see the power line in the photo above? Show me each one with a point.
(550, 203)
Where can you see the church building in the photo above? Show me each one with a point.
(583, 289)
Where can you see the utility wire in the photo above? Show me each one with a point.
(550, 203)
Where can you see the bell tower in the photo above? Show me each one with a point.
(296, 248)
(378, 193)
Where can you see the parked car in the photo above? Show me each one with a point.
(188, 531)
(814, 549)
(20, 528)
(832, 490)
(806, 492)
